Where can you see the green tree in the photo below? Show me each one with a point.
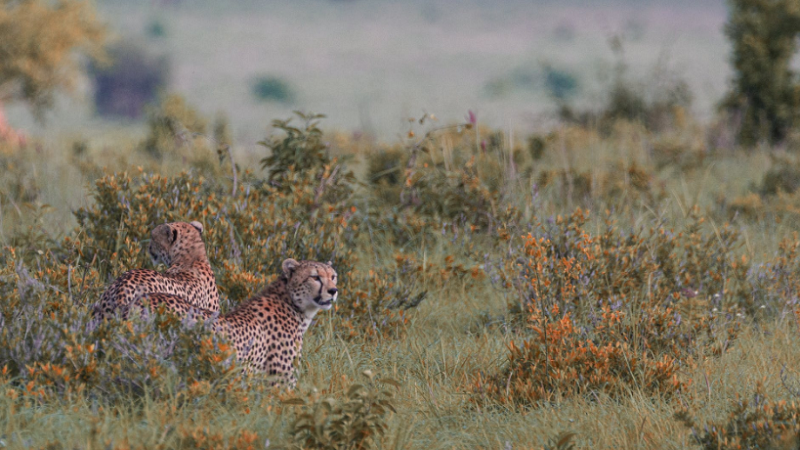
(40, 45)
(765, 94)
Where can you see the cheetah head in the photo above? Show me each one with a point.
(177, 241)
(311, 285)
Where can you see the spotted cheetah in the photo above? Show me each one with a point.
(179, 246)
(267, 330)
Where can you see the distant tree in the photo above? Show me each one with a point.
(131, 82)
(765, 92)
(40, 45)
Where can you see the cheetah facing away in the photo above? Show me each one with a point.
(267, 330)
(179, 246)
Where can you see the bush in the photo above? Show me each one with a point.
(356, 422)
(301, 154)
(448, 176)
(268, 88)
(49, 350)
(765, 94)
(131, 82)
(242, 239)
(618, 311)
(760, 424)
(560, 84)
(564, 359)
(172, 125)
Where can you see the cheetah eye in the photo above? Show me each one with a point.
(316, 277)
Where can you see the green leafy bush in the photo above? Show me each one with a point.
(358, 421)
(272, 88)
(172, 125)
(765, 94)
(301, 154)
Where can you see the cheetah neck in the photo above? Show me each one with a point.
(196, 266)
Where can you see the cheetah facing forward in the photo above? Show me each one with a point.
(180, 246)
(267, 330)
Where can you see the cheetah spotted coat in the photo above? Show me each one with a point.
(180, 246)
(267, 330)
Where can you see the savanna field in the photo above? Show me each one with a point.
(624, 277)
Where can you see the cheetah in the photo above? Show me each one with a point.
(179, 246)
(267, 330)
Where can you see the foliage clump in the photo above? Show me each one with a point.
(131, 82)
(358, 421)
(35, 65)
(172, 125)
(758, 424)
(50, 349)
(619, 311)
(300, 155)
(271, 88)
(765, 95)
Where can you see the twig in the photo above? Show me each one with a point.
(233, 169)
(785, 383)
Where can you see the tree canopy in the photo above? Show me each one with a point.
(41, 46)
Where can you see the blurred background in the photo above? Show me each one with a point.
(369, 65)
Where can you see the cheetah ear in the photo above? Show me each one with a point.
(288, 267)
(174, 235)
(330, 264)
(198, 226)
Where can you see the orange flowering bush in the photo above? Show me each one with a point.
(564, 359)
(618, 311)
(49, 349)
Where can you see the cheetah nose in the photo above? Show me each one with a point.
(332, 291)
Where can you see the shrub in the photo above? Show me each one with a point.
(380, 298)
(760, 424)
(782, 176)
(560, 84)
(251, 233)
(658, 103)
(49, 350)
(301, 154)
(272, 88)
(447, 176)
(131, 82)
(764, 93)
(618, 311)
(385, 169)
(563, 359)
(358, 421)
(172, 125)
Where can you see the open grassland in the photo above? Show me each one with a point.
(603, 286)
(369, 64)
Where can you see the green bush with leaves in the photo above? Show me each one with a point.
(174, 124)
(765, 94)
(357, 421)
